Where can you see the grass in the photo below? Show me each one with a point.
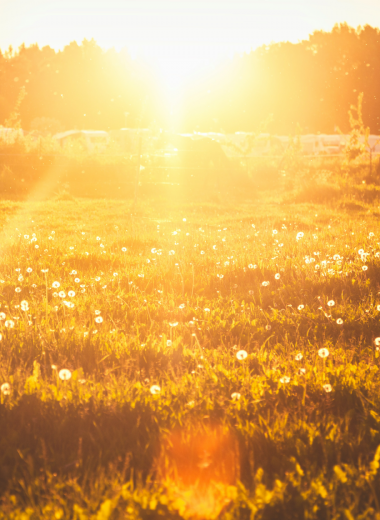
(163, 415)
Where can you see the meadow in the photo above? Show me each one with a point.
(189, 360)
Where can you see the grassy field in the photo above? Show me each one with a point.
(189, 361)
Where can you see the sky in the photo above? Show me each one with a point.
(163, 31)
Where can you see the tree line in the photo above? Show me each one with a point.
(308, 85)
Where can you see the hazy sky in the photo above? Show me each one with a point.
(164, 30)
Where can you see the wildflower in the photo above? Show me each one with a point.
(81, 381)
(377, 341)
(171, 252)
(206, 309)
(97, 238)
(182, 306)
(302, 371)
(97, 278)
(62, 294)
(378, 307)
(97, 313)
(339, 321)
(18, 289)
(54, 367)
(68, 304)
(115, 274)
(24, 305)
(300, 307)
(71, 294)
(29, 270)
(364, 268)
(235, 396)
(285, 379)
(55, 285)
(99, 319)
(55, 294)
(299, 356)
(327, 388)
(323, 352)
(331, 303)
(242, 354)
(9, 324)
(202, 252)
(5, 388)
(268, 327)
(250, 292)
(141, 275)
(77, 280)
(299, 235)
(168, 343)
(124, 249)
(155, 389)
(275, 232)
(190, 404)
(265, 284)
(277, 276)
(64, 374)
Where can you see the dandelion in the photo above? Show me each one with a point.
(9, 324)
(141, 275)
(242, 354)
(299, 356)
(275, 232)
(265, 284)
(323, 352)
(331, 303)
(171, 252)
(71, 294)
(299, 235)
(202, 252)
(300, 307)
(302, 371)
(235, 396)
(124, 249)
(97, 278)
(277, 276)
(77, 280)
(378, 307)
(364, 268)
(55, 285)
(68, 304)
(285, 380)
(5, 388)
(339, 321)
(29, 270)
(182, 306)
(2, 316)
(115, 274)
(377, 341)
(18, 289)
(168, 343)
(155, 389)
(98, 319)
(55, 294)
(54, 367)
(81, 381)
(327, 388)
(173, 323)
(206, 309)
(62, 294)
(64, 374)
(24, 305)
(268, 327)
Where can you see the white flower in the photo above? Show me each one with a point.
(168, 343)
(77, 280)
(68, 304)
(2, 316)
(285, 379)
(364, 268)
(55, 285)
(339, 321)
(299, 235)
(182, 306)
(277, 276)
(331, 303)
(323, 352)
(64, 374)
(29, 270)
(173, 323)
(377, 340)
(300, 307)
(206, 309)
(18, 289)
(155, 389)
(97, 313)
(124, 249)
(71, 294)
(299, 356)
(10, 324)
(54, 367)
(172, 252)
(115, 274)
(99, 319)
(235, 396)
(378, 307)
(62, 294)
(242, 354)
(24, 305)
(5, 388)
(265, 284)
(327, 388)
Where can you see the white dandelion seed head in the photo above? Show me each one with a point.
(5, 389)
(241, 355)
(327, 388)
(235, 396)
(331, 303)
(64, 374)
(173, 323)
(277, 276)
(377, 341)
(285, 380)
(339, 321)
(299, 356)
(62, 294)
(71, 294)
(300, 307)
(55, 285)
(9, 324)
(168, 343)
(323, 352)
(98, 319)
(155, 389)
